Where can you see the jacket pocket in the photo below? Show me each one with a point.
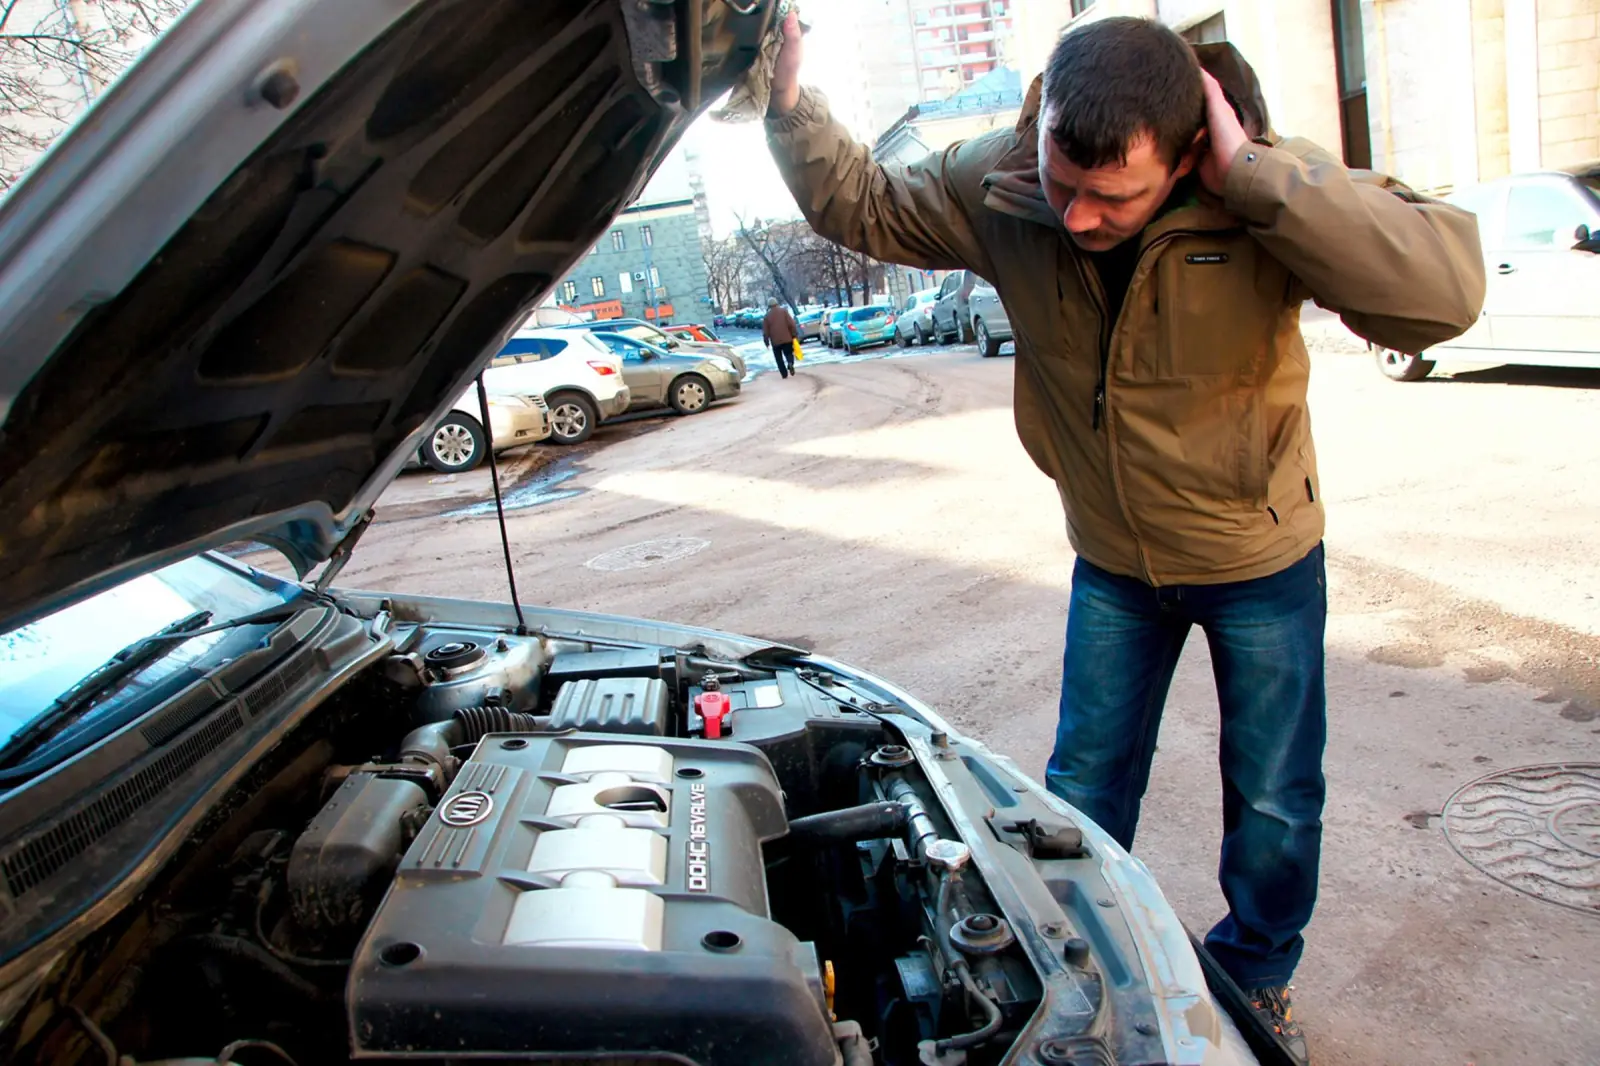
(1216, 312)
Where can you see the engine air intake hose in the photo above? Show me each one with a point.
(869, 821)
(432, 743)
(479, 722)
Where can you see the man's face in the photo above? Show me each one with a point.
(1106, 205)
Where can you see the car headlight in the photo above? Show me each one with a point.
(721, 363)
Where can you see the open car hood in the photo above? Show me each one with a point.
(234, 297)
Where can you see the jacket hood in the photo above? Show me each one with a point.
(1013, 187)
(234, 297)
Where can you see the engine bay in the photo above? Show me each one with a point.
(538, 848)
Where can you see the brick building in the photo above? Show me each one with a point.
(648, 264)
(1442, 94)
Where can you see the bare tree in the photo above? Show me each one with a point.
(56, 56)
(728, 261)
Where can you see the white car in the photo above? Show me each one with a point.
(577, 376)
(457, 443)
(1541, 251)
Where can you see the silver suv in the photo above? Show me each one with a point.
(968, 309)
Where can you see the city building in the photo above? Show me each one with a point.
(957, 42)
(1442, 94)
(992, 102)
(648, 264)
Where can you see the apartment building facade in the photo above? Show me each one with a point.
(648, 265)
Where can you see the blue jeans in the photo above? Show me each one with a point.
(1266, 640)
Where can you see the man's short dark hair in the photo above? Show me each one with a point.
(1116, 79)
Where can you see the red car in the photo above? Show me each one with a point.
(691, 332)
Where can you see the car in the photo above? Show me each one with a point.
(691, 332)
(866, 326)
(914, 324)
(719, 321)
(833, 326)
(639, 329)
(658, 378)
(458, 442)
(810, 323)
(245, 813)
(969, 310)
(579, 378)
(1541, 246)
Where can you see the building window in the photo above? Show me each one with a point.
(647, 237)
(1080, 6)
(569, 292)
(619, 243)
(1351, 68)
(598, 285)
(1213, 30)
(655, 278)
(625, 282)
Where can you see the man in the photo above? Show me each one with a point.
(1153, 246)
(778, 331)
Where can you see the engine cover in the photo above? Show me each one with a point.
(591, 893)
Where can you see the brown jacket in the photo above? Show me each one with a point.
(1178, 435)
(779, 327)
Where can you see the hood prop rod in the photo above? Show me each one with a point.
(499, 504)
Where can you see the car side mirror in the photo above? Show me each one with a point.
(1586, 241)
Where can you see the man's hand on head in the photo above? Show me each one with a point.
(1224, 133)
(786, 75)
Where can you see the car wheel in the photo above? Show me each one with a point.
(1397, 366)
(903, 338)
(572, 417)
(964, 330)
(457, 444)
(690, 394)
(986, 344)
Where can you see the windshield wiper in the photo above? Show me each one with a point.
(111, 673)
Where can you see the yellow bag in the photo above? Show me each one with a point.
(798, 354)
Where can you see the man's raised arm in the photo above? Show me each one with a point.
(916, 215)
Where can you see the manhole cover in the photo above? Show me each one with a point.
(648, 553)
(1536, 829)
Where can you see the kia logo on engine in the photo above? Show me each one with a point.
(466, 808)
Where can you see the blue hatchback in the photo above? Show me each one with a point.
(866, 326)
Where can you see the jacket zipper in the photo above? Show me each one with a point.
(1091, 281)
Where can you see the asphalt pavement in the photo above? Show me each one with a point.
(880, 510)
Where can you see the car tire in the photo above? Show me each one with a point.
(573, 417)
(1397, 366)
(456, 445)
(690, 394)
(987, 345)
(922, 337)
(965, 330)
(903, 338)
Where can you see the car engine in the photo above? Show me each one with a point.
(542, 847)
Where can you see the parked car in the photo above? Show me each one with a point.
(692, 331)
(250, 815)
(833, 327)
(1541, 247)
(969, 310)
(866, 326)
(641, 330)
(914, 324)
(719, 321)
(659, 378)
(810, 323)
(578, 377)
(458, 442)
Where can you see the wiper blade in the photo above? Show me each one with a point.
(131, 659)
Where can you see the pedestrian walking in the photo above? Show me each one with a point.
(781, 333)
(1152, 240)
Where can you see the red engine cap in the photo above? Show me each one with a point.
(713, 707)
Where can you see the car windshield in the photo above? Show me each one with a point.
(1591, 185)
(862, 314)
(43, 660)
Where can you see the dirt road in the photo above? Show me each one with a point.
(883, 512)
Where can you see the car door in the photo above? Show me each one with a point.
(1546, 305)
(643, 372)
(985, 304)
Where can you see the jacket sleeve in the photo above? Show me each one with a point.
(766, 329)
(1401, 270)
(918, 214)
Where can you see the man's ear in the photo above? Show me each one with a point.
(1193, 154)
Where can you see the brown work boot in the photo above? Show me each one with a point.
(1273, 1005)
